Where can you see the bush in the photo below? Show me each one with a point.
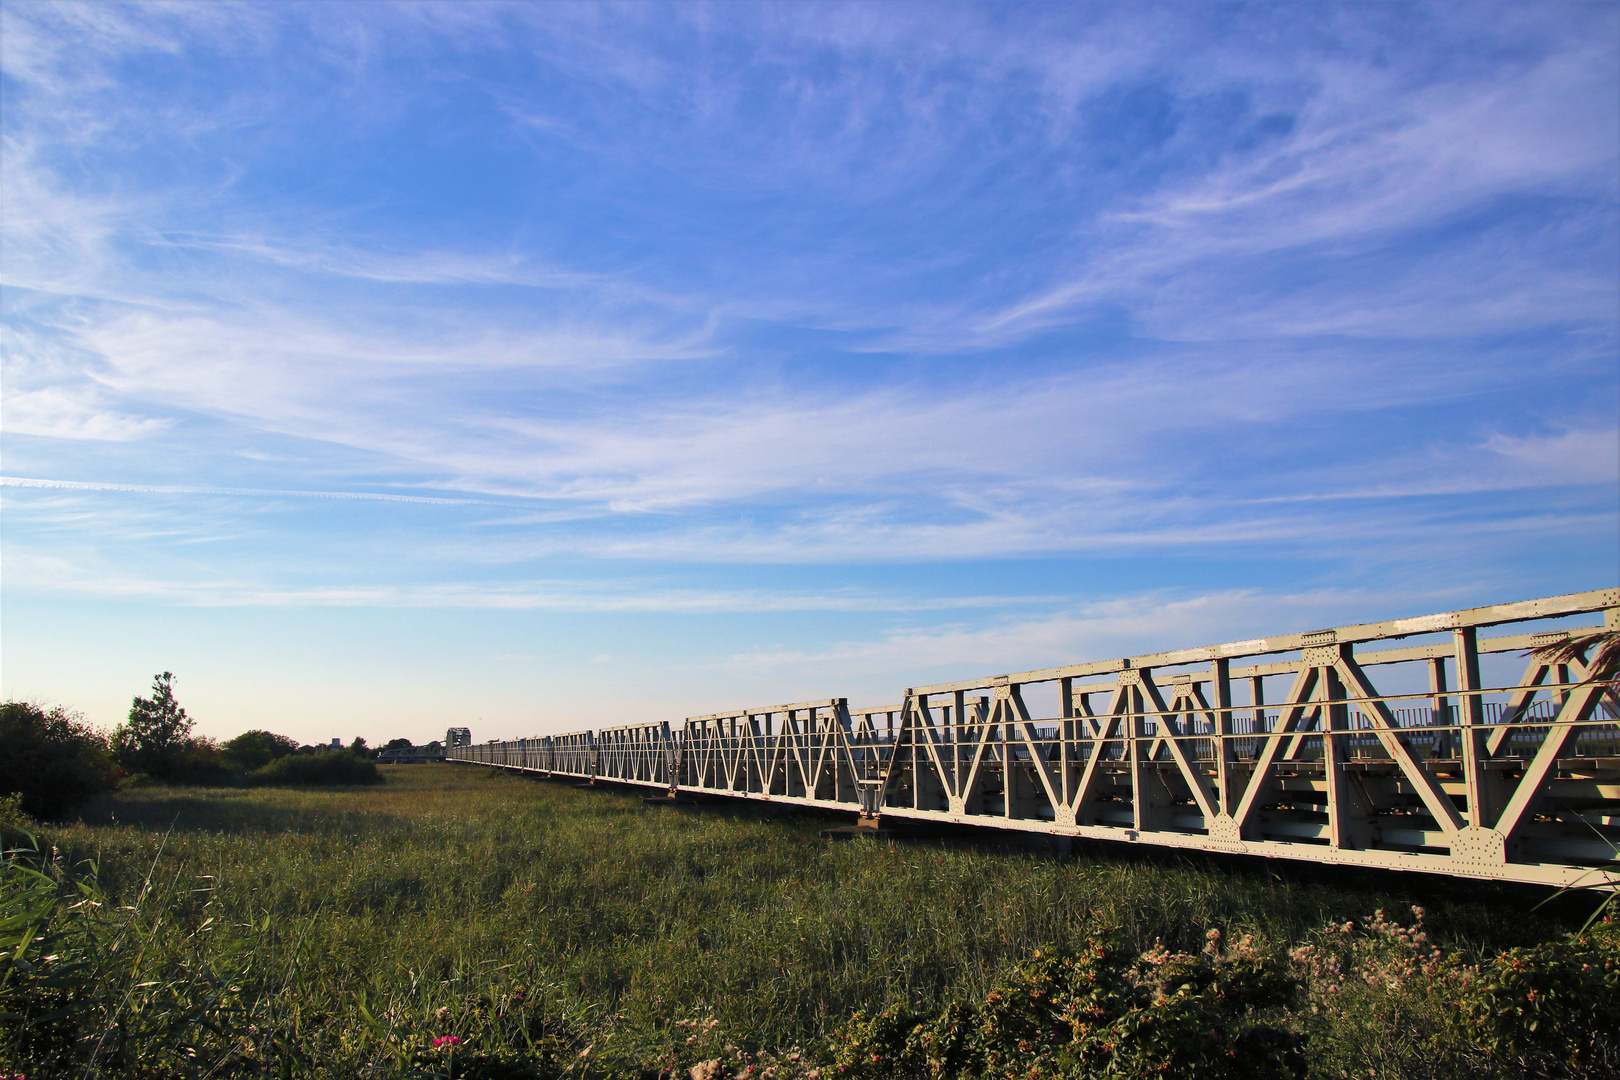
(201, 760)
(255, 749)
(1101, 1013)
(54, 761)
(320, 768)
(1551, 1010)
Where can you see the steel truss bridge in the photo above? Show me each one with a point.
(1283, 747)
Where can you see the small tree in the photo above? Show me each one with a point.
(359, 748)
(153, 738)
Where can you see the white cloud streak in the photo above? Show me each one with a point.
(1255, 272)
(1124, 626)
(156, 489)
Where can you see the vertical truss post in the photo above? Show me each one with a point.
(1137, 748)
(1128, 752)
(1471, 730)
(674, 747)
(964, 744)
(1611, 621)
(1009, 776)
(1334, 718)
(1441, 704)
(1221, 672)
(1068, 732)
(919, 716)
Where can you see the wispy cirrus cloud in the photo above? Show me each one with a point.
(59, 413)
(80, 573)
(944, 650)
(154, 489)
(821, 285)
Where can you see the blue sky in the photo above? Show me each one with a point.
(532, 366)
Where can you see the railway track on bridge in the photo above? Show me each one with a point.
(1469, 755)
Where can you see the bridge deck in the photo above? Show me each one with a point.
(1279, 747)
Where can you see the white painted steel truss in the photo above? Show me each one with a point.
(1185, 749)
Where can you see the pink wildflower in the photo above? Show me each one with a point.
(451, 1041)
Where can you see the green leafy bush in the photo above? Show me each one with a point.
(1551, 1010)
(255, 749)
(1100, 1013)
(319, 768)
(53, 761)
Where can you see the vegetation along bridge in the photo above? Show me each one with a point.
(1459, 759)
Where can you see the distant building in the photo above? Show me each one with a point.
(337, 744)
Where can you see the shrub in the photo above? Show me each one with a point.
(1548, 1011)
(1099, 1013)
(1365, 981)
(196, 760)
(1551, 1010)
(201, 760)
(255, 749)
(320, 768)
(53, 760)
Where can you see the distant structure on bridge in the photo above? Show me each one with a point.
(411, 755)
(433, 751)
(1482, 756)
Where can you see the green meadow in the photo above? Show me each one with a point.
(461, 922)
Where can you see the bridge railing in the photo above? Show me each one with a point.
(809, 751)
(643, 754)
(1330, 746)
(574, 754)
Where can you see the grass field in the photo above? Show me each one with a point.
(341, 932)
